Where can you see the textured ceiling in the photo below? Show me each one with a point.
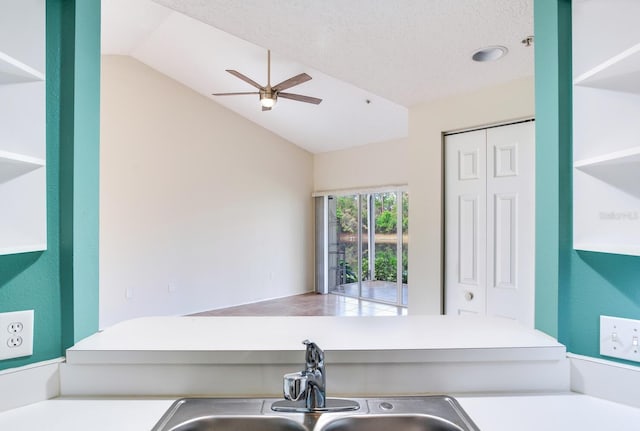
(395, 53)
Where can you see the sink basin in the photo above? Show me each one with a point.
(428, 413)
(253, 423)
(198, 414)
(412, 422)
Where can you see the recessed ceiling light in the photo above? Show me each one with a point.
(490, 53)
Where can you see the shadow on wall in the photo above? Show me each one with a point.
(621, 271)
(13, 265)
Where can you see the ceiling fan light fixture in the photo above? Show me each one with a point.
(268, 101)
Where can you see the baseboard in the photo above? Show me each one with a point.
(605, 379)
(29, 384)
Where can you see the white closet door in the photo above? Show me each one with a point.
(465, 235)
(490, 222)
(511, 222)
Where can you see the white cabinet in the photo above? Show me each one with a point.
(606, 127)
(23, 212)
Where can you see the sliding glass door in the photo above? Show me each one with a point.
(365, 246)
(343, 251)
(383, 262)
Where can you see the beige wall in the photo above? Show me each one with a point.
(369, 165)
(417, 161)
(194, 199)
(200, 208)
(511, 101)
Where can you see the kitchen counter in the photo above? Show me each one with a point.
(244, 356)
(271, 339)
(558, 412)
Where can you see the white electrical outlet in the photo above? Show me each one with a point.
(620, 338)
(16, 334)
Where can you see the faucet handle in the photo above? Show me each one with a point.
(314, 356)
(295, 385)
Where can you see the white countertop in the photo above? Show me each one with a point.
(567, 412)
(238, 356)
(564, 412)
(260, 340)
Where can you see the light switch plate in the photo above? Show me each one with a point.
(620, 338)
(16, 334)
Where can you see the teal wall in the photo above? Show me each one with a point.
(572, 288)
(61, 283)
(600, 283)
(551, 72)
(80, 254)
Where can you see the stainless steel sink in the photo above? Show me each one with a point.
(429, 413)
(406, 422)
(253, 423)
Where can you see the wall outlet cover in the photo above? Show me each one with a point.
(16, 334)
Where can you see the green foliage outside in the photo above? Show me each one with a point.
(350, 276)
(347, 214)
(386, 222)
(384, 212)
(385, 215)
(386, 264)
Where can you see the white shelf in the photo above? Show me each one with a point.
(13, 165)
(619, 73)
(13, 71)
(631, 155)
(23, 248)
(609, 248)
(620, 169)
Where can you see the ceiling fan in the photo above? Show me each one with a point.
(269, 95)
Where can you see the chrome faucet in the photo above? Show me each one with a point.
(305, 391)
(310, 383)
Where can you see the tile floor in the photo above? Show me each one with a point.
(374, 289)
(310, 304)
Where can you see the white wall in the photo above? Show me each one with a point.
(200, 208)
(427, 122)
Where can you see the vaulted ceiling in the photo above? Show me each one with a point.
(371, 60)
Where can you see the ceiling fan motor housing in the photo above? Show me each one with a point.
(268, 93)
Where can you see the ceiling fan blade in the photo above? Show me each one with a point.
(245, 79)
(300, 98)
(296, 80)
(235, 94)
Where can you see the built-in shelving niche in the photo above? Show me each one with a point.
(23, 212)
(606, 208)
